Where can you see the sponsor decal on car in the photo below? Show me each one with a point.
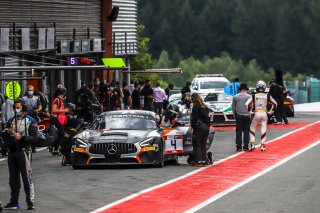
(77, 149)
(148, 148)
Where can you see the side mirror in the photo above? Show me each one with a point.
(195, 87)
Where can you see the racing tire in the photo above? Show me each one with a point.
(160, 164)
(77, 162)
(78, 167)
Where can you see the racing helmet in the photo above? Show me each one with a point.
(261, 86)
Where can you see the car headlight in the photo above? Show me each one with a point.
(80, 143)
(147, 142)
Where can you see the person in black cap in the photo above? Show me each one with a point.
(242, 117)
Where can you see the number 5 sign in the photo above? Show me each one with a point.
(72, 61)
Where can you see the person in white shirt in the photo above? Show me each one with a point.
(159, 96)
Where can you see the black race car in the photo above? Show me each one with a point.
(120, 137)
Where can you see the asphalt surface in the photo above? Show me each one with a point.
(292, 187)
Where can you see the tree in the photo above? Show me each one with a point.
(143, 60)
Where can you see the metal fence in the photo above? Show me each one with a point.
(305, 92)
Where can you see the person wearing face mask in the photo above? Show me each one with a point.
(32, 102)
(21, 131)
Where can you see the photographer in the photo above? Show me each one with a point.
(21, 133)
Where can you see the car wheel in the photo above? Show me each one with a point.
(161, 157)
(77, 162)
(77, 167)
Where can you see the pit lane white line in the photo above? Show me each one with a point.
(198, 207)
(38, 150)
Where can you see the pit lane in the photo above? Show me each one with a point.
(62, 189)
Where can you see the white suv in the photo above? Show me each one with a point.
(209, 83)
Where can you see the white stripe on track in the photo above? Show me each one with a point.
(200, 169)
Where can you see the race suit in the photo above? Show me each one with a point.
(260, 103)
(19, 156)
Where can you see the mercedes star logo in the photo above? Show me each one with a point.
(112, 149)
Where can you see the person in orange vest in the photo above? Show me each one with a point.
(59, 118)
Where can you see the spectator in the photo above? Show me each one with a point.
(136, 97)
(186, 88)
(7, 113)
(242, 117)
(33, 105)
(147, 92)
(277, 92)
(127, 100)
(7, 110)
(32, 102)
(116, 96)
(159, 96)
(142, 84)
(200, 122)
(167, 91)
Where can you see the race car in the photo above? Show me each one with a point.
(221, 105)
(120, 137)
(177, 133)
(288, 105)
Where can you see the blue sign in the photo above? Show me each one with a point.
(232, 89)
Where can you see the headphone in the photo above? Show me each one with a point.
(21, 101)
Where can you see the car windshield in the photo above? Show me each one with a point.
(218, 97)
(127, 121)
(213, 84)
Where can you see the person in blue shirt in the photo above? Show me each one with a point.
(32, 102)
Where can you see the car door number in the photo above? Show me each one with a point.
(173, 145)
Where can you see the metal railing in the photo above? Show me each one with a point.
(305, 92)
